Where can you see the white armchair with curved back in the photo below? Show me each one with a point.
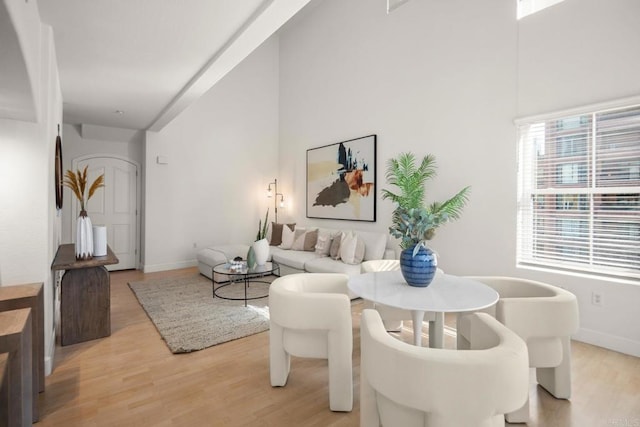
(405, 385)
(544, 316)
(311, 317)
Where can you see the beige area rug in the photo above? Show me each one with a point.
(188, 317)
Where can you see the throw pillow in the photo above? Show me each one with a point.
(334, 250)
(352, 249)
(323, 245)
(348, 247)
(310, 240)
(276, 233)
(374, 243)
(298, 240)
(361, 248)
(287, 238)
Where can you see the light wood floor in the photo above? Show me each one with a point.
(131, 379)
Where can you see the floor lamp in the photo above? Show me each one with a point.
(275, 199)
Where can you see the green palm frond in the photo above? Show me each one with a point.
(412, 221)
(403, 173)
(452, 207)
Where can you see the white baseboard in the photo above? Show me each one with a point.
(169, 266)
(611, 342)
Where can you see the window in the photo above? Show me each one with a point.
(571, 202)
(572, 173)
(579, 192)
(574, 145)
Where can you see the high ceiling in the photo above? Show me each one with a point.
(138, 64)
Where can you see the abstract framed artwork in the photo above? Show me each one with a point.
(341, 180)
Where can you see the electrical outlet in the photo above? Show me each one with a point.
(195, 245)
(596, 299)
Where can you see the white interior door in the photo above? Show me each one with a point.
(115, 205)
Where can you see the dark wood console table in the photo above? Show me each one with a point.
(85, 295)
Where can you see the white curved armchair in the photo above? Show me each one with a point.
(311, 317)
(405, 385)
(392, 317)
(544, 316)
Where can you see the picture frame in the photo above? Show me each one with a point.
(341, 180)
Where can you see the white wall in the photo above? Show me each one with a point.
(595, 59)
(51, 105)
(431, 77)
(29, 225)
(221, 152)
(21, 48)
(86, 140)
(576, 53)
(447, 78)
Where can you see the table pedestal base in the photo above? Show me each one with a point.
(436, 329)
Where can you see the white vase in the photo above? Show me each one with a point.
(99, 240)
(84, 237)
(261, 250)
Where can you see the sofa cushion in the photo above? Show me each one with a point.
(334, 251)
(214, 255)
(374, 244)
(295, 259)
(323, 244)
(310, 240)
(351, 249)
(275, 237)
(328, 265)
(298, 239)
(288, 237)
(305, 239)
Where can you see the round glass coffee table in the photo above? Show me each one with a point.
(238, 272)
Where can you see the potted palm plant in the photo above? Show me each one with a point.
(413, 221)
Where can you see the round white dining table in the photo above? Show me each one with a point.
(445, 294)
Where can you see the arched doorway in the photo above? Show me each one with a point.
(116, 205)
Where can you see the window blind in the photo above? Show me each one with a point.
(579, 192)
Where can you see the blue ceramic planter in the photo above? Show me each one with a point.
(418, 270)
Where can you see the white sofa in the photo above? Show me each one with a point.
(377, 245)
(219, 254)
